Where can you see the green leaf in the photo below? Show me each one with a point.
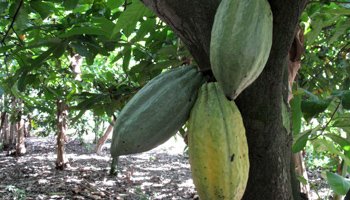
(300, 143)
(339, 184)
(1, 91)
(128, 19)
(88, 103)
(43, 8)
(114, 4)
(345, 100)
(70, 4)
(304, 17)
(339, 11)
(126, 58)
(322, 145)
(141, 67)
(344, 143)
(295, 105)
(110, 76)
(42, 57)
(317, 28)
(145, 28)
(86, 30)
(3, 6)
(22, 18)
(339, 32)
(312, 108)
(167, 64)
(82, 50)
(76, 118)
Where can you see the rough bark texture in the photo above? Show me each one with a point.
(261, 103)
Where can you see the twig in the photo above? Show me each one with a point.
(336, 109)
(13, 21)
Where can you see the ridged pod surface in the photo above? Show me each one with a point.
(240, 45)
(218, 148)
(156, 112)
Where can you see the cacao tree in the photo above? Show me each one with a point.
(267, 128)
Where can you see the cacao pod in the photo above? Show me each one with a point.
(156, 112)
(240, 44)
(218, 148)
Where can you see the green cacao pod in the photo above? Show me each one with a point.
(240, 44)
(218, 148)
(156, 112)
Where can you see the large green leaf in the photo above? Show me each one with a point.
(339, 11)
(345, 26)
(70, 4)
(322, 145)
(339, 184)
(300, 143)
(311, 108)
(344, 143)
(43, 8)
(129, 18)
(317, 28)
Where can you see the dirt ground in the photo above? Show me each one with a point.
(162, 173)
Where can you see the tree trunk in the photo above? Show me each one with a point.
(5, 131)
(260, 104)
(21, 149)
(103, 139)
(61, 161)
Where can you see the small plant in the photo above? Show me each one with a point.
(143, 195)
(17, 193)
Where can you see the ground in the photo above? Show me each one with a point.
(162, 173)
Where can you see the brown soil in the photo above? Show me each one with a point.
(162, 173)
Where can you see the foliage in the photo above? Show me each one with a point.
(321, 98)
(122, 43)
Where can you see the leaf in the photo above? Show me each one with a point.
(42, 57)
(339, 184)
(82, 50)
(127, 56)
(344, 143)
(166, 64)
(339, 32)
(22, 18)
(128, 19)
(297, 115)
(110, 76)
(86, 30)
(345, 100)
(76, 118)
(88, 103)
(322, 145)
(317, 27)
(140, 67)
(312, 108)
(339, 11)
(300, 143)
(43, 8)
(3, 6)
(1, 91)
(70, 4)
(145, 27)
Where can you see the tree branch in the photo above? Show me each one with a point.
(13, 21)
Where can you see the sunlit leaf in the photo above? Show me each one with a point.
(322, 145)
(297, 115)
(339, 184)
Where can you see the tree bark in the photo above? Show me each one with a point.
(103, 139)
(260, 104)
(21, 149)
(61, 161)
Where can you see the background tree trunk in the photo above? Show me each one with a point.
(268, 139)
(61, 161)
(21, 149)
(103, 139)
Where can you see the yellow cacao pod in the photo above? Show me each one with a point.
(218, 148)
